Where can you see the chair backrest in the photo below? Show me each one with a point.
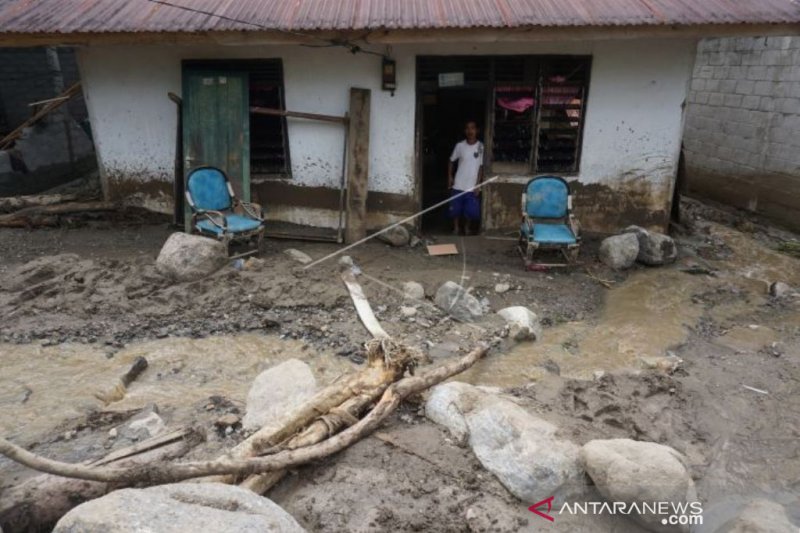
(547, 197)
(208, 189)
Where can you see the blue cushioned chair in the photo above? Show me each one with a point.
(216, 212)
(547, 221)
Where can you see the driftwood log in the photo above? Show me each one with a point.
(158, 472)
(47, 215)
(334, 418)
(14, 203)
(38, 503)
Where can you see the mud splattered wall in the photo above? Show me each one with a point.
(742, 138)
(631, 140)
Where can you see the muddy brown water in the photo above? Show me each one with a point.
(46, 386)
(644, 316)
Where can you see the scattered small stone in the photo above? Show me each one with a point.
(297, 255)
(667, 364)
(408, 311)
(502, 288)
(779, 289)
(346, 261)
(523, 322)
(396, 236)
(456, 301)
(413, 291)
(69, 435)
(228, 420)
(357, 358)
(112, 433)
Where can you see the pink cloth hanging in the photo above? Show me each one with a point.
(519, 104)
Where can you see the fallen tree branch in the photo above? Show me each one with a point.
(38, 503)
(166, 472)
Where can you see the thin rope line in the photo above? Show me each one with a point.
(407, 219)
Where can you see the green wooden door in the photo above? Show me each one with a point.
(216, 125)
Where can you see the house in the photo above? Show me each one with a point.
(587, 90)
(742, 138)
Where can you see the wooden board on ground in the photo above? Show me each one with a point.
(442, 249)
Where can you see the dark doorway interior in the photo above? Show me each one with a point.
(444, 112)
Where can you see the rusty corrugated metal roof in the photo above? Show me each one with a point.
(92, 16)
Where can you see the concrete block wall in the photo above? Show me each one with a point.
(742, 129)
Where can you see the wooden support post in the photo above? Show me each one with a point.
(357, 164)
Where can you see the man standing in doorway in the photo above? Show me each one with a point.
(468, 154)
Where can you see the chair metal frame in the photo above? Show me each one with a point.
(217, 218)
(528, 247)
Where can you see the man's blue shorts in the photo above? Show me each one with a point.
(467, 205)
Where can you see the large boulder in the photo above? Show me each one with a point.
(635, 472)
(619, 251)
(276, 391)
(178, 508)
(187, 257)
(524, 324)
(457, 302)
(654, 248)
(760, 516)
(520, 449)
(396, 236)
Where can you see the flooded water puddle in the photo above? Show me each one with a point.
(643, 317)
(42, 387)
(649, 313)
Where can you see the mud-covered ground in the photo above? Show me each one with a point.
(78, 306)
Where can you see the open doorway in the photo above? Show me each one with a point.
(444, 114)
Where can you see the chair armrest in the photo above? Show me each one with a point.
(211, 214)
(252, 209)
(574, 225)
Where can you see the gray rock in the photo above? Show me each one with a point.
(619, 251)
(276, 391)
(455, 300)
(759, 516)
(521, 450)
(187, 257)
(178, 508)
(501, 288)
(443, 350)
(397, 236)
(297, 255)
(779, 289)
(408, 311)
(523, 322)
(639, 472)
(144, 426)
(654, 248)
(413, 291)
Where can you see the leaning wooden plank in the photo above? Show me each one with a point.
(363, 308)
(38, 503)
(157, 472)
(47, 108)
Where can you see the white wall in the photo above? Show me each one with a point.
(632, 129)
